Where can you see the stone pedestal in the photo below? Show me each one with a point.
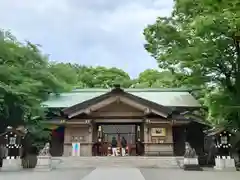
(219, 164)
(44, 163)
(191, 164)
(225, 164)
(12, 164)
(230, 163)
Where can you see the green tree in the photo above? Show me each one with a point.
(199, 42)
(100, 77)
(65, 74)
(157, 79)
(151, 78)
(26, 79)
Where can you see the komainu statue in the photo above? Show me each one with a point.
(45, 150)
(189, 151)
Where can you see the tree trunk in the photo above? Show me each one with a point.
(237, 83)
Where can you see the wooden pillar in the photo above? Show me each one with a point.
(66, 147)
(146, 137)
(138, 132)
(90, 139)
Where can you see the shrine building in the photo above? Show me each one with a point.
(162, 119)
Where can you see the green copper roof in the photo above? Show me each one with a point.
(165, 97)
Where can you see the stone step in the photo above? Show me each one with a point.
(78, 162)
(114, 158)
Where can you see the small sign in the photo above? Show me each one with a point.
(158, 132)
(75, 149)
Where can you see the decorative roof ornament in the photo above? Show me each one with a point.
(117, 86)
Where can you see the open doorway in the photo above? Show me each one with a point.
(57, 141)
(131, 132)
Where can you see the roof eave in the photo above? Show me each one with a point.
(165, 110)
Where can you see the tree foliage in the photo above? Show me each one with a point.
(199, 41)
(151, 78)
(195, 47)
(100, 77)
(26, 79)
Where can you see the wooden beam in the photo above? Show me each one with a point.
(179, 122)
(72, 121)
(118, 120)
(141, 107)
(95, 106)
(157, 121)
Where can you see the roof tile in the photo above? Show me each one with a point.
(165, 97)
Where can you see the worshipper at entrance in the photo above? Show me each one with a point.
(139, 147)
(124, 145)
(114, 147)
(97, 147)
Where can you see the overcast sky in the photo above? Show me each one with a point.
(90, 32)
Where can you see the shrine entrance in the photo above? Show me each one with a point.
(131, 132)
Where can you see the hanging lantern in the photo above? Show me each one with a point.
(99, 131)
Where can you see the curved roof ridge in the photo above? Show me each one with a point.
(133, 90)
(89, 90)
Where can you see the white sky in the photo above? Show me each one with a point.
(90, 32)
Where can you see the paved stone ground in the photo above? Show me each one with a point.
(179, 174)
(111, 173)
(51, 175)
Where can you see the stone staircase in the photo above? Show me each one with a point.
(109, 161)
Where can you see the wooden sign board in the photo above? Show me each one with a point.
(158, 132)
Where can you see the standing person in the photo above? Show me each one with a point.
(99, 146)
(124, 145)
(114, 146)
(139, 148)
